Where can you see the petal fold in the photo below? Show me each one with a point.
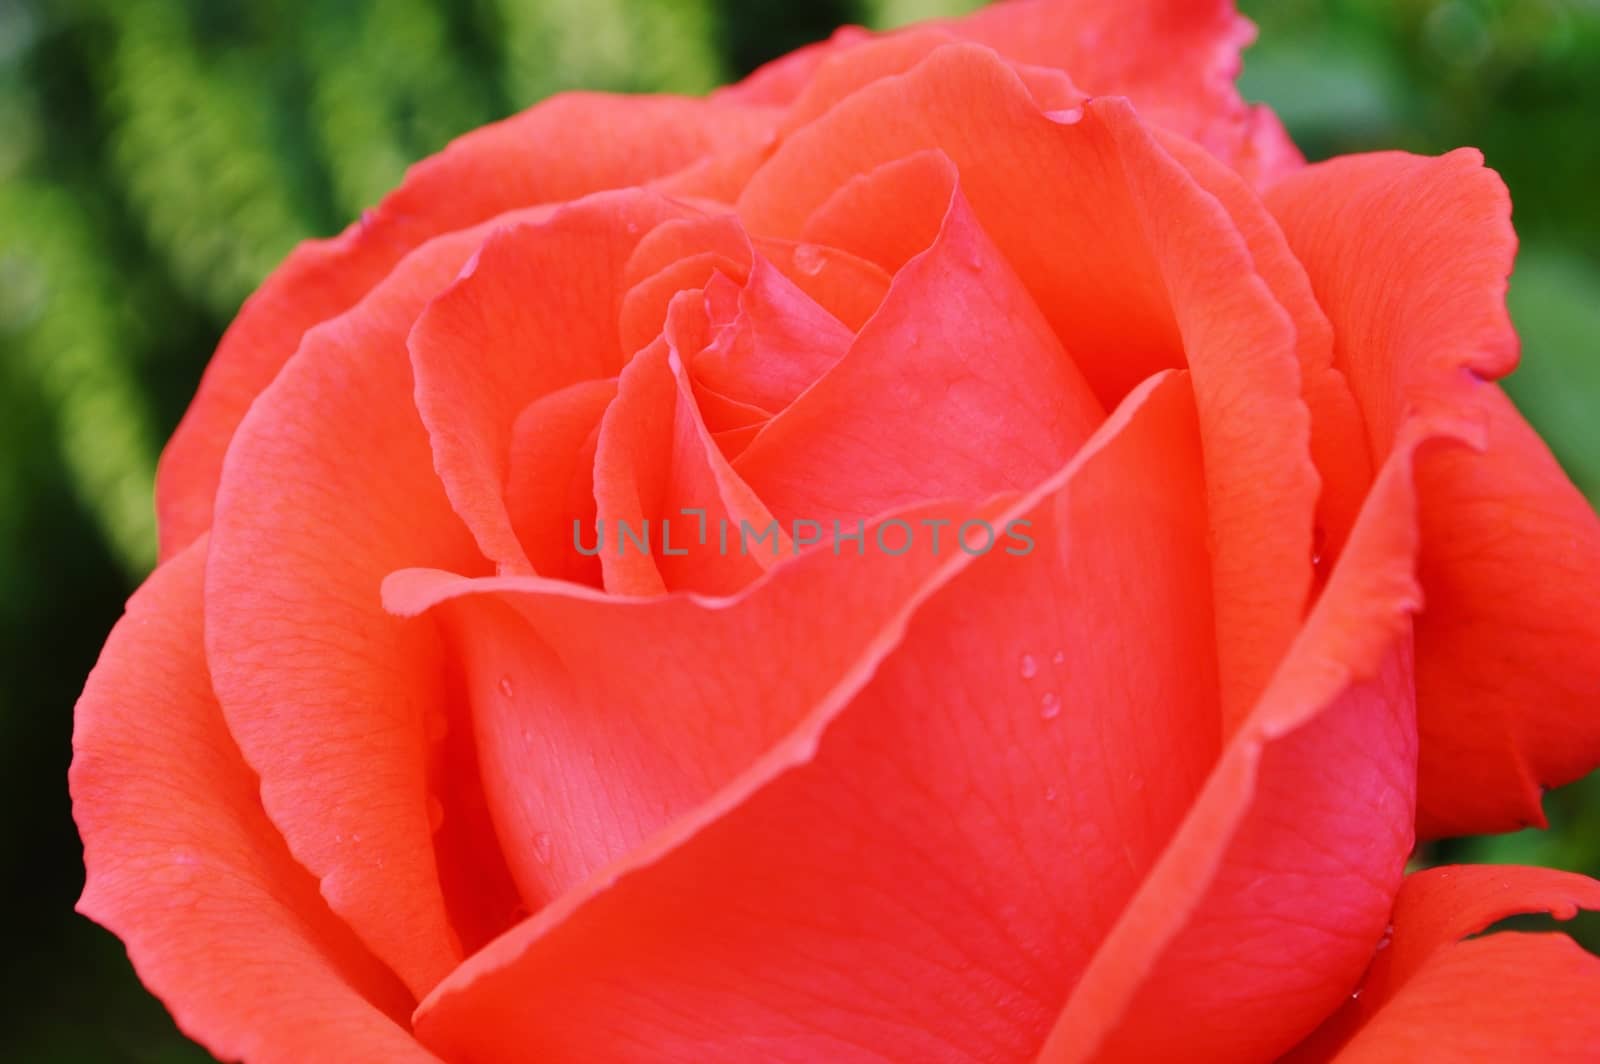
(1433, 992)
(1409, 257)
(535, 311)
(327, 489)
(978, 757)
(1136, 268)
(955, 388)
(545, 155)
(1262, 912)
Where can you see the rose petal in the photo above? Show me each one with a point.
(1264, 910)
(327, 488)
(1507, 997)
(774, 337)
(656, 467)
(184, 866)
(679, 254)
(776, 347)
(1409, 256)
(535, 311)
(889, 214)
(1020, 757)
(1240, 345)
(544, 155)
(1105, 299)
(956, 355)
(550, 476)
(1175, 59)
(1338, 437)
(1507, 676)
(1137, 268)
(588, 760)
(846, 286)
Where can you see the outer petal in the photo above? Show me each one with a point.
(1409, 256)
(586, 760)
(327, 489)
(1506, 997)
(183, 864)
(1262, 913)
(544, 155)
(1175, 59)
(1020, 757)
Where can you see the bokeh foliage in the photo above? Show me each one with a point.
(158, 157)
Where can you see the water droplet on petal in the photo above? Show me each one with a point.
(1050, 706)
(1388, 936)
(810, 259)
(1071, 116)
(1059, 657)
(1049, 794)
(435, 813)
(543, 847)
(1319, 544)
(1028, 667)
(506, 688)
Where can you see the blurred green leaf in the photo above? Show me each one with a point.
(886, 14)
(61, 323)
(1555, 302)
(1328, 86)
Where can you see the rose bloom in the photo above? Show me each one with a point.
(407, 753)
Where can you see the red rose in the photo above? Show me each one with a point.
(555, 656)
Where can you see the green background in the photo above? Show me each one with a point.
(158, 157)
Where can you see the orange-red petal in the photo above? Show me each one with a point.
(1409, 257)
(1432, 993)
(1019, 755)
(534, 311)
(1135, 266)
(220, 921)
(1264, 910)
(546, 154)
(955, 388)
(328, 487)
